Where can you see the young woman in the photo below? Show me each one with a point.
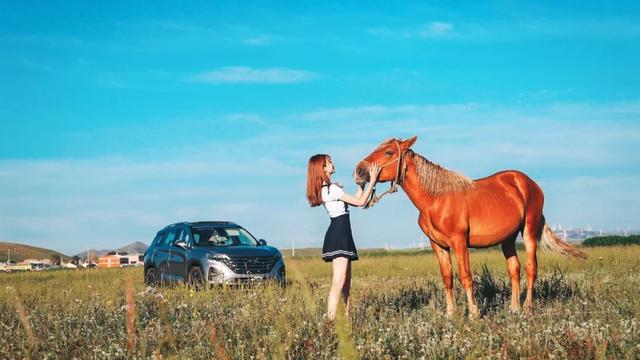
(338, 247)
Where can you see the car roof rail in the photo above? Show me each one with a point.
(212, 223)
(191, 223)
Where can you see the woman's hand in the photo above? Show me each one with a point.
(374, 171)
(362, 196)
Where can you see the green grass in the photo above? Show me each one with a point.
(584, 309)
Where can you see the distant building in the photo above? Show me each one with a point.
(108, 261)
(68, 265)
(119, 259)
(37, 265)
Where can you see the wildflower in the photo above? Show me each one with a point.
(149, 291)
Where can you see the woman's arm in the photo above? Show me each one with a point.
(360, 187)
(361, 197)
(360, 190)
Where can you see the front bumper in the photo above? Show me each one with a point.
(218, 272)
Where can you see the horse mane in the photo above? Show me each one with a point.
(437, 180)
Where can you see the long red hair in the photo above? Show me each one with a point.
(315, 178)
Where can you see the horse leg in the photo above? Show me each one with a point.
(444, 259)
(531, 235)
(464, 267)
(513, 268)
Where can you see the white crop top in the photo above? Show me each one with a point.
(331, 200)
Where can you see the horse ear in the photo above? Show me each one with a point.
(409, 142)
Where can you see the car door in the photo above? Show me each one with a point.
(163, 253)
(178, 260)
(150, 253)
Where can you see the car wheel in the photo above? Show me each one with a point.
(196, 277)
(151, 277)
(282, 278)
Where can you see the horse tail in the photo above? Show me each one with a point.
(551, 241)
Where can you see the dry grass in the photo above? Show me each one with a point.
(584, 309)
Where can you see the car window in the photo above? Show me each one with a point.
(157, 239)
(184, 235)
(222, 237)
(178, 235)
(169, 238)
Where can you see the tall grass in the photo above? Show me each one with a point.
(584, 309)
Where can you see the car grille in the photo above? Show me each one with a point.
(251, 264)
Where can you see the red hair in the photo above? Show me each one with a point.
(315, 178)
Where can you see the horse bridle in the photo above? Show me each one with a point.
(400, 170)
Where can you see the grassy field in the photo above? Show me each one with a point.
(584, 309)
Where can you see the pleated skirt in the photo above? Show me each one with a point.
(338, 241)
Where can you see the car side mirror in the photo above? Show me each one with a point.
(181, 244)
(262, 242)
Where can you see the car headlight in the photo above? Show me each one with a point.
(217, 257)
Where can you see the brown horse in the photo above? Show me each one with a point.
(459, 213)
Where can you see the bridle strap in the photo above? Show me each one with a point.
(400, 170)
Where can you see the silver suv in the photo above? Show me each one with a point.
(210, 252)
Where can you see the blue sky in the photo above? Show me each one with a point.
(118, 118)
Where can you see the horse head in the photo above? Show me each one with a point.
(386, 155)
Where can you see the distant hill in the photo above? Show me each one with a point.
(20, 252)
(135, 247)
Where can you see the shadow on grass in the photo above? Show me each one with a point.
(491, 293)
(408, 299)
(494, 294)
(555, 286)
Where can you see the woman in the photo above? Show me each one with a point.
(338, 247)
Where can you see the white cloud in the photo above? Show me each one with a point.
(576, 152)
(260, 40)
(108, 202)
(246, 117)
(248, 75)
(436, 30)
(547, 137)
(599, 28)
(378, 112)
(525, 26)
(432, 30)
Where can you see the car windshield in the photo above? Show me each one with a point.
(222, 236)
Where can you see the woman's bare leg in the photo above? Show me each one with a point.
(345, 289)
(340, 266)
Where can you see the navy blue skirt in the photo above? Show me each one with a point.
(338, 241)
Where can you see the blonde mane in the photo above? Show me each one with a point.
(437, 180)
